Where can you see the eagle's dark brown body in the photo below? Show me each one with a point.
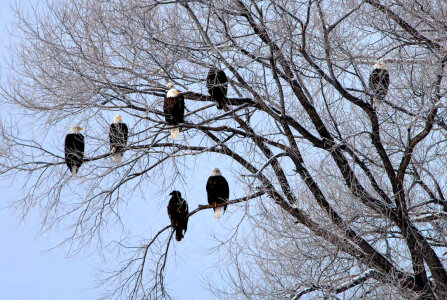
(74, 151)
(218, 192)
(379, 81)
(174, 109)
(178, 213)
(217, 85)
(118, 136)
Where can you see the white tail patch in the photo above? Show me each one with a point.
(175, 133)
(218, 212)
(116, 157)
(74, 170)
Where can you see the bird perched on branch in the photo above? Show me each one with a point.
(178, 213)
(217, 85)
(218, 191)
(174, 109)
(379, 81)
(74, 149)
(118, 136)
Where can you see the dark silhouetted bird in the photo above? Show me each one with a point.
(174, 109)
(379, 82)
(218, 191)
(217, 85)
(178, 213)
(118, 136)
(74, 149)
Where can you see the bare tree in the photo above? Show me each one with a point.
(350, 193)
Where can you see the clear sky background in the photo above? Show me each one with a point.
(29, 271)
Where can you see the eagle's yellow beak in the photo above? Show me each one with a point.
(119, 118)
(176, 92)
(79, 128)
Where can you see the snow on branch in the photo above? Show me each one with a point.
(371, 273)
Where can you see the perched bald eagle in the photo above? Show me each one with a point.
(174, 109)
(217, 85)
(379, 81)
(74, 149)
(118, 136)
(218, 191)
(178, 213)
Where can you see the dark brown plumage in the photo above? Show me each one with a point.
(217, 85)
(178, 213)
(118, 136)
(74, 149)
(218, 191)
(174, 110)
(379, 82)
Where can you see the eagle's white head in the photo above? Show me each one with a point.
(117, 119)
(172, 91)
(75, 128)
(379, 65)
(216, 172)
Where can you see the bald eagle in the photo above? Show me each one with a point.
(74, 149)
(379, 81)
(178, 213)
(217, 85)
(174, 109)
(218, 191)
(118, 136)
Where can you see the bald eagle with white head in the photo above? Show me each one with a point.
(74, 149)
(379, 82)
(217, 85)
(118, 136)
(174, 109)
(218, 191)
(178, 214)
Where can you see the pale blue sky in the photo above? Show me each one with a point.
(27, 270)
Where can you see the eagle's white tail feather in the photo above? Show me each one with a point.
(74, 170)
(218, 212)
(116, 157)
(175, 133)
